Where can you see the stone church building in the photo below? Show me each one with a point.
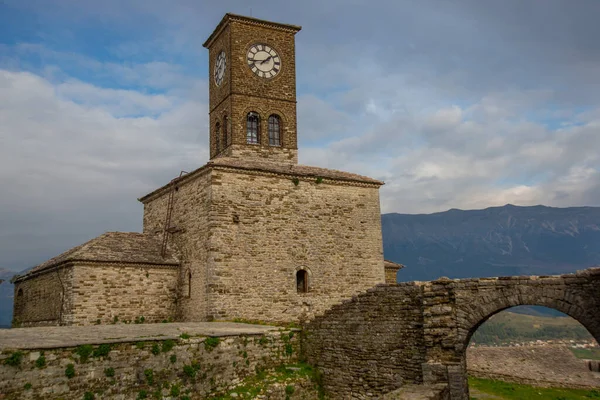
(250, 235)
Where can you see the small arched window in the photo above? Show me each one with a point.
(226, 137)
(252, 128)
(301, 281)
(218, 136)
(274, 130)
(20, 293)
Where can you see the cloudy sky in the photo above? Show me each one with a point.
(454, 104)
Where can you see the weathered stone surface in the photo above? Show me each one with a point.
(260, 229)
(242, 91)
(198, 366)
(250, 235)
(86, 293)
(70, 336)
(551, 366)
(418, 333)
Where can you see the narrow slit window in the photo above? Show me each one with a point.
(226, 137)
(252, 128)
(189, 284)
(274, 130)
(218, 136)
(302, 281)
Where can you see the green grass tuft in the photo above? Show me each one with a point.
(588, 354)
(514, 391)
(14, 360)
(70, 371)
(211, 342)
(84, 352)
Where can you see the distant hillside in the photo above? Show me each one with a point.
(6, 297)
(511, 327)
(497, 241)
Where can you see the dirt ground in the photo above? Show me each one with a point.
(539, 365)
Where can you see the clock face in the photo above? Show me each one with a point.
(263, 60)
(220, 65)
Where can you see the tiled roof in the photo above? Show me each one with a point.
(391, 264)
(273, 168)
(127, 247)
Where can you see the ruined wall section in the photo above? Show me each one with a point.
(107, 293)
(191, 366)
(46, 300)
(191, 231)
(265, 228)
(359, 336)
(371, 344)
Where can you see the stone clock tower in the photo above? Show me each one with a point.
(249, 235)
(252, 100)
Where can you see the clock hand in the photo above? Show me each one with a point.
(265, 60)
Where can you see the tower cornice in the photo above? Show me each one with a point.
(229, 17)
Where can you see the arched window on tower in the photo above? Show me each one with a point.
(226, 137)
(302, 281)
(274, 130)
(20, 294)
(252, 128)
(218, 136)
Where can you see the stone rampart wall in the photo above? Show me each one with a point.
(374, 334)
(371, 344)
(46, 300)
(196, 367)
(106, 293)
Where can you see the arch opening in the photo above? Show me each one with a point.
(302, 281)
(531, 345)
(253, 128)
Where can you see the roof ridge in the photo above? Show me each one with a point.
(128, 247)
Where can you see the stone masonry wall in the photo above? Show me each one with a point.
(45, 300)
(446, 314)
(105, 293)
(264, 228)
(195, 367)
(190, 216)
(369, 345)
(242, 91)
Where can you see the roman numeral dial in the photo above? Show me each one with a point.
(220, 66)
(263, 60)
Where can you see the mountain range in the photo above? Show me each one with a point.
(496, 241)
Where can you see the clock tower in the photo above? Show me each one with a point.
(252, 91)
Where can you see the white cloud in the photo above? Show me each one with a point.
(62, 161)
(454, 106)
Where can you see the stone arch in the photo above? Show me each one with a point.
(284, 125)
(242, 123)
(479, 299)
(479, 309)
